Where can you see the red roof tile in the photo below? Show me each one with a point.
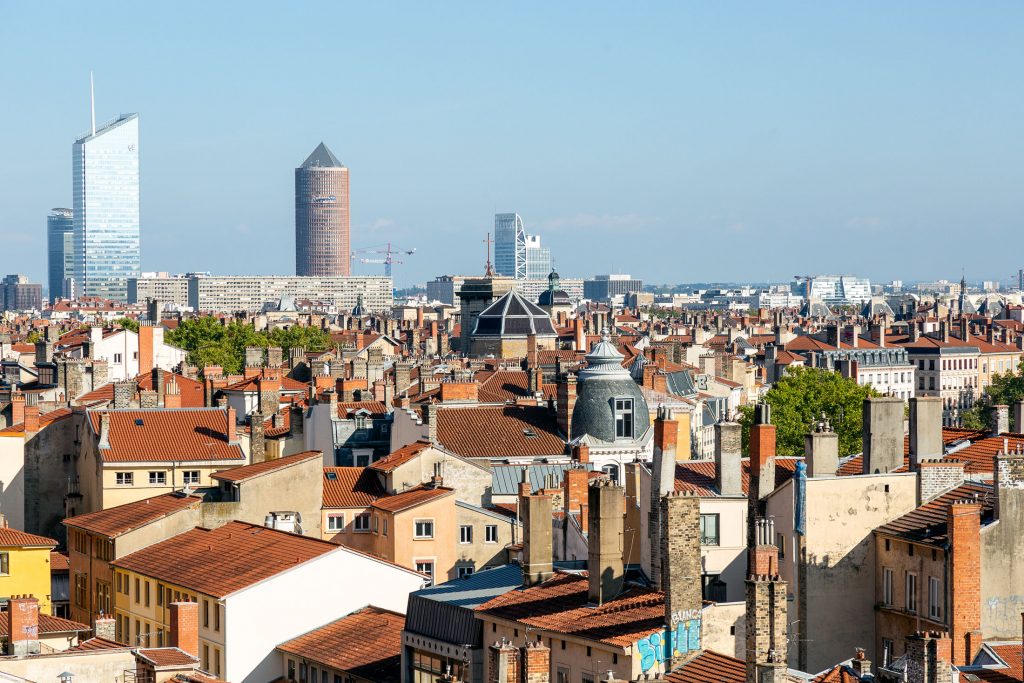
(44, 420)
(13, 537)
(840, 673)
(411, 498)
(350, 487)
(167, 656)
(49, 624)
(59, 562)
(561, 604)
(400, 457)
(498, 431)
(121, 519)
(366, 644)
(237, 474)
(1013, 672)
(950, 435)
(927, 523)
(375, 408)
(698, 476)
(185, 435)
(192, 393)
(219, 562)
(708, 667)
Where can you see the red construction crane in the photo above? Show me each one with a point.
(388, 250)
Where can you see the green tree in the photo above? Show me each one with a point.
(1006, 389)
(308, 338)
(33, 337)
(128, 324)
(801, 397)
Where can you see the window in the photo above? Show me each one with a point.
(216, 661)
(138, 589)
(709, 530)
(206, 613)
(206, 657)
(491, 533)
(423, 528)
(159, 595)
(911, 597)
(147, 593)
(426, 567)
(335, 522)
(624, 418)
(713, 588)
(886, 652)
(157, 478)
(216, 616)
(465, 571)
(117, 359)
(384, 526)
(887, 587)
(190, 477)
(5, 563)
(934, 598)
(465, 534)
(375, 521)
(562, 675)
(780, 543)
(587, 677)
(81, 589)
(124, 479)
(362, 522)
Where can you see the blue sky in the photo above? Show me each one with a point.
(675, 141)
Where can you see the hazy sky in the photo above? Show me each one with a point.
(675, 141)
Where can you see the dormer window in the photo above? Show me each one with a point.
(623, 418)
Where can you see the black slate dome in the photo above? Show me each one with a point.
(512, 315)
(600, 388)
(553, 295)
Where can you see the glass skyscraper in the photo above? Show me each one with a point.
(106, 209)
(60, 247)
(517, 254)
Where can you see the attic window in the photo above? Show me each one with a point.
(331, 476)
(138, 422)
(529, 433)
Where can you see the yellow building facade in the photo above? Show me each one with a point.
(25, 566)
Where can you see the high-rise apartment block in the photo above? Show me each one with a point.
(105, 186)
(60, 249)
(517, 254)
(608, 287)
(322, 237)
(18, 294)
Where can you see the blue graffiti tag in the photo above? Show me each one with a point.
(655, 648)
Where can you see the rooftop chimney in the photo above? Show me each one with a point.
(964, 529)
(147, 353)
(883, 434)
(925, 429)
(535, 513)
(184, 630)
(680, 572)
(105, 627)
(1000, 420)
(762, 466)
(606, 505)
(728, 454)
(821, 451)
(566, 404)
(766, 613)
(22, 617)
(929, 658)
(663, 479)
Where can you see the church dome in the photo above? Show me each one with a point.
(513, 315)
(553, 295)
(609, 405)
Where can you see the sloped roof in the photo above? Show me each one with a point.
(49, 624)
(124, 518)
(698, 476)
(978, 457)
(322, 157)
(928, 523)
(398, 458)
(44, 420)
(192, 394)
(366, 644)
(412, 498)
(375, 408)
(710, 666)
(219, 562)
(10, 538)
(498, 431)
(512, 314)
(162, 435)
(350, 487)
(505, 478)
(237, 474)
(167, 656)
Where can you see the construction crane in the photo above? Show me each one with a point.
(389, 251)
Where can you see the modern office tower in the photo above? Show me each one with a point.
(106, 208)
(60, 247)
(836, 290)
(538, 259)
(510, 245)
(18, 294)
(322, 238)
(607, 287)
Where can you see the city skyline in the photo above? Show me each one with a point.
(903, 148)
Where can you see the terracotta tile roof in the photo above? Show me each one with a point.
(502, 386)
(59, 562)
(1013, 672)
(708, 667)
(219, 562)
(13, 537)
(192, 394)
(561, 605)
(44, 420)
(252, 384)
(350, 487)
(788, 357)
(375, 408)
(121, 519)
(366, 644)
(950, 435)
(167, 656)
(498, 431)
(185, 435)
(927, 524)
(237, 474)
(96, 644)
(197, 677)
(411, 498)
(840, 673)
(400, 457)
(49, 624)
(698, 476)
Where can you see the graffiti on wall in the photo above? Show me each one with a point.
(682, 637)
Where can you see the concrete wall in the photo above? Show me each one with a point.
(471, 481)
(407, 428)
(49, 464)
(12, 479)
(319, 592)
(1002, 576)
(837, 576)
(724, 628)
(86, 666)
(480, 554)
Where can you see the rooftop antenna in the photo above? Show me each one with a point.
(92, 103)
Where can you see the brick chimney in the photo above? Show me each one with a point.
(105, 627)
(964, 529)
(728, 454)
(1000, 420)
(566, 403)
(762, 465)
(680, 574)
(929, 658)
(269, 394)
(147, 353)
(663, 480)
(17, 408)
(230, 425)
(535, 514)
(172, 395)
(574, 490)
(925, 429)
(883, 434)
(184, 630)
(535, 658)
(459, 392)
(22, 617)
(606, 504)
(581, 453)
(257, 438)
(31, 415)
(936, 477)
(860, 664)
(579, 335)
(766, 616)
(503, 663)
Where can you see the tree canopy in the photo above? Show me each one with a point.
(208, 342)
(801, 397)
(1006, 389)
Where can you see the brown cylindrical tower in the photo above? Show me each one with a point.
(322, 245)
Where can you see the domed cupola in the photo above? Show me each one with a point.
(609, 405)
